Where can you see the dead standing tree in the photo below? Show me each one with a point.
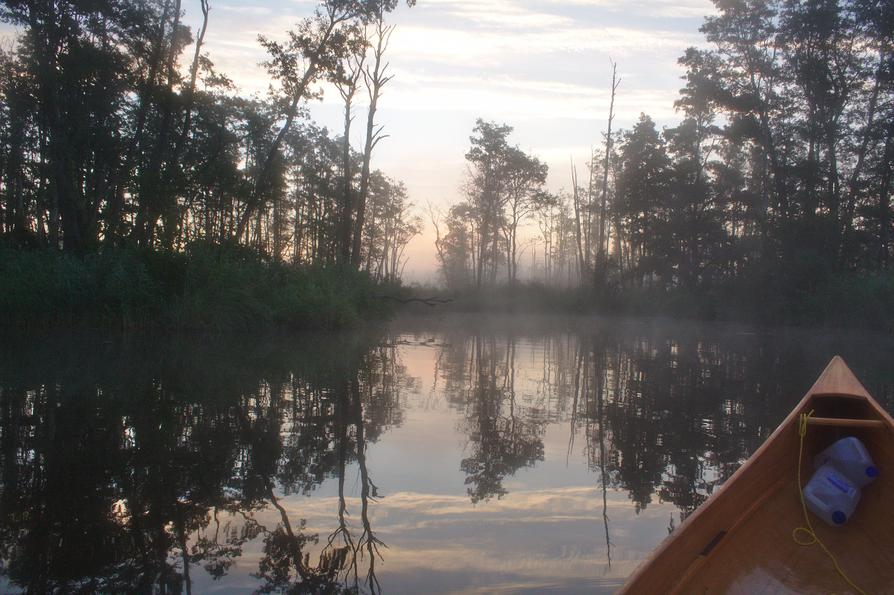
(149, 207)
(375, 78)
(174, 172)
(600, 252)
(592, 263)
(583, 258)
(347, 87)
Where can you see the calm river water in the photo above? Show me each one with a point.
(454, 454)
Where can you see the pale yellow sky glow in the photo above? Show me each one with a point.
(541, 66)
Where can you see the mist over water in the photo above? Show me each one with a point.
(430, 455)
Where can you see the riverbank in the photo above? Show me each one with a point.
(206, 287)
(232, 288)
(861, 301)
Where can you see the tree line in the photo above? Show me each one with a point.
(106, 141)
(778, 177)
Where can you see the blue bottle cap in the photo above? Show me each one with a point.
(872, 471)
(839, 517)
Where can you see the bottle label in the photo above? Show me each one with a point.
(838, 483)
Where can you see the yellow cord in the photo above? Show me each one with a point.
(811, 536)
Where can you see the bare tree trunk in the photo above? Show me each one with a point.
(346, 224)
(116, 200)
(62, 169)
(150, 190)
(193, 76)
(885, 199)
(853, 185)
(582, 264)
(301, 241)
(600, 253)
(347, 88)
(173, 179)
(375, 79)
(439, 246)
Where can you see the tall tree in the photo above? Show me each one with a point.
(643, 199)
(525, 177)
(318, 46)
(375, 78)
(347, 88)
(486, 189)
(601, 250)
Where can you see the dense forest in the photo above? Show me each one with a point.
(770, 199)
(105, 140)
(117, 133)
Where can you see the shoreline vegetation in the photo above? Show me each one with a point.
(205, 287)
(210, 287)
(768, 201)
(683, 224)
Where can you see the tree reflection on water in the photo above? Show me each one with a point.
(128, 464)
(119, 460)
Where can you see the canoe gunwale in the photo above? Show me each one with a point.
(835, 395)
(848, 422)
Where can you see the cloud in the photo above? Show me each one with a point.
(500, 14)
(483, 49)
(530, 539)
(246, 10)
(652, 8)
(515, 100)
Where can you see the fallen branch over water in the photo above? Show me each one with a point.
(430, 301)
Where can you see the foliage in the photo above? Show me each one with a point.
(208, 286)
(505, 187)
(111, 136)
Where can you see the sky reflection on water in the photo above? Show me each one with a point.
(452, 455)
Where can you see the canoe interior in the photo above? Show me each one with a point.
(759, 555)
(740, 540)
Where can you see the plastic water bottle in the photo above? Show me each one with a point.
(831, 496)
(850, 457)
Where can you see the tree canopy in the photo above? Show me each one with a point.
(108, 137)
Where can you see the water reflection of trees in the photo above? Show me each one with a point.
(670, 415)
(125, 465)
(504, 433)
(666, 413)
